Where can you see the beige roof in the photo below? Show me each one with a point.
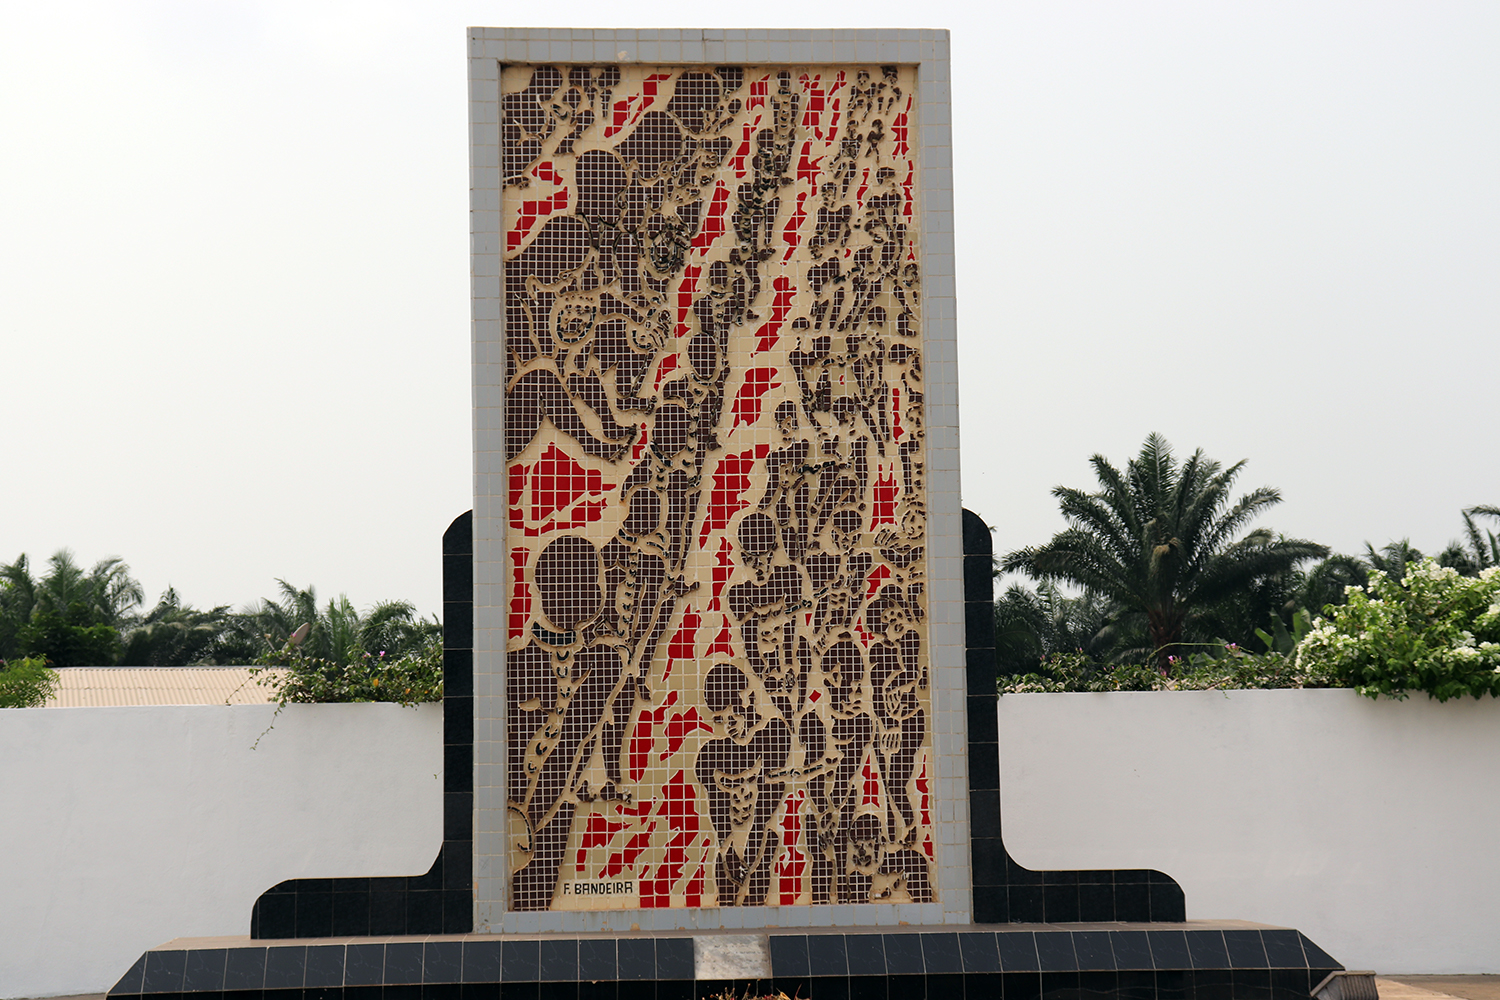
(84, 687)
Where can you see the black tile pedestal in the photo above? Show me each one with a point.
(1197, 960)
(1004, 892)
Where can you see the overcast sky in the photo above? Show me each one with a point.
(234, 330)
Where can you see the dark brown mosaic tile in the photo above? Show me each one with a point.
(717, 685)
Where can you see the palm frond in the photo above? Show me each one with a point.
(1231, 574)
(1162, 539)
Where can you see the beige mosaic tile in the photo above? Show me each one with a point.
(717, 686)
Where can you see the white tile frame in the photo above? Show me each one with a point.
(927, 49)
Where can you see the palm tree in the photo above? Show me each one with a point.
(1327, 582)
(174, 634)
(1272, 602)
(72, 615)
(1393, 558)
(1483, 548)
(337, 632)
(1163, 539)
(1032, 624)
(17, 602)
(108, 592)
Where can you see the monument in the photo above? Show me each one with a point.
(715, 714)
(716, 406)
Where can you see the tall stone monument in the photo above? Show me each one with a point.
(714, 713)
(719, 639)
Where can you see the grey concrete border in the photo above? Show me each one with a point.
(928, 49)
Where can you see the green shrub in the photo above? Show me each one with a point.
(297, 678)
(1227, 667)
(26, 683)
(1433, 631)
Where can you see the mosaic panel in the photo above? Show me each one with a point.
(717, 690)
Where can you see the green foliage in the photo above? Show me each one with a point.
(1163, 541)
(175, 634)
(107, 593)
(337, 632)
(1326, 583)
(1280, 639)
(1393, 558)
(75, 617)
(1030, 625)
(1060, 672)
(72, 616)
(17, 603)
(69, 638)
(335, 653)
(1434, 630)
(1221, 668)
(26, 683)
(299, 678)
(1479, 550)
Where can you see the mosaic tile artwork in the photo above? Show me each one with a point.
(717, 690)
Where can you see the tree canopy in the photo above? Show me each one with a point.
(71, 617)
(1164, 541)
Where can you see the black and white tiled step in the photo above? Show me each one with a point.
(1199, 960)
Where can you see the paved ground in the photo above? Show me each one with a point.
(1428, 987)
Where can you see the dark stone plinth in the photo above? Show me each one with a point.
(1005, 892)
(1196, 960)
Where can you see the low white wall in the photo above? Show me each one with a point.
(1371, 826)
(122, 828)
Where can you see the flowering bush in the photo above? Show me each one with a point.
(1433, 631)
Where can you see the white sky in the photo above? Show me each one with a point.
(234, 332)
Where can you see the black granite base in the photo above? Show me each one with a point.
(1201, 960)
(1004, 891)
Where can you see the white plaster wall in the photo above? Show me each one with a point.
(1371, 826)
(122, 828)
